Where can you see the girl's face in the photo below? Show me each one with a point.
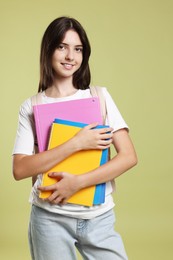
(67, 58)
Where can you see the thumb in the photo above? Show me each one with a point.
(57, 175)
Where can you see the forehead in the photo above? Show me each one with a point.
(71, 37)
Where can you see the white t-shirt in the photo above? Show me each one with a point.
(24, 144)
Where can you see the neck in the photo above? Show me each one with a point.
(61, 88)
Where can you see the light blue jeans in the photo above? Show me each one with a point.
(56, 237)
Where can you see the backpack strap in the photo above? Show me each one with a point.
(96, 91)
(36, 99)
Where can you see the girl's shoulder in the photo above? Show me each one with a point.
(26, 106)
(101, 91)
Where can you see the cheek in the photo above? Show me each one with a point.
(80, 59)
(56, 56)
(53, 61)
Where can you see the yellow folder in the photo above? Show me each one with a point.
(78, 163)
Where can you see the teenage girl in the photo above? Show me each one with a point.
(56, 227)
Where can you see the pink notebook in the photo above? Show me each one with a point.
(80, 110)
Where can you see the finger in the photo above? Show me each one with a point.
(47, 188)
(63, 202)
(105, 130)
(92, 125)
(58, 200)
(102, 131)
(52, 197)
(106, 136)
(57, 175)
(106, 141)
(103, 147)
(103, 144)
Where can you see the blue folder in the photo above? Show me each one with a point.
(99, 196)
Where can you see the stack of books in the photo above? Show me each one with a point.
(58, 122)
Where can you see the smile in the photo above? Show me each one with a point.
(67, 65)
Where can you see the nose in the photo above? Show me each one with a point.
(69, 55)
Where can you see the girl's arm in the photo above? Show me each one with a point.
(69, 184)
(31, 165)
(125, 159)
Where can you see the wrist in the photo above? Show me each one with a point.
(81, 182)
(75, 144)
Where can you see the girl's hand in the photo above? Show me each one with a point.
(65, 187)
(89, 138)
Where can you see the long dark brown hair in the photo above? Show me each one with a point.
(52, 37)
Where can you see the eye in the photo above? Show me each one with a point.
(79, 49)
(61, 47)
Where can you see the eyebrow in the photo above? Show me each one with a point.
(66, 44)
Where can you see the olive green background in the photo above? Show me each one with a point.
(132, 55)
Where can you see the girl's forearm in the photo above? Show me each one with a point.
(31, 165)
(109, 171)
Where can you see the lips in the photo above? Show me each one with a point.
(67, 66)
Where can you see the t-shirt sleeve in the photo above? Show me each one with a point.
(24, 142)
(114, 119)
